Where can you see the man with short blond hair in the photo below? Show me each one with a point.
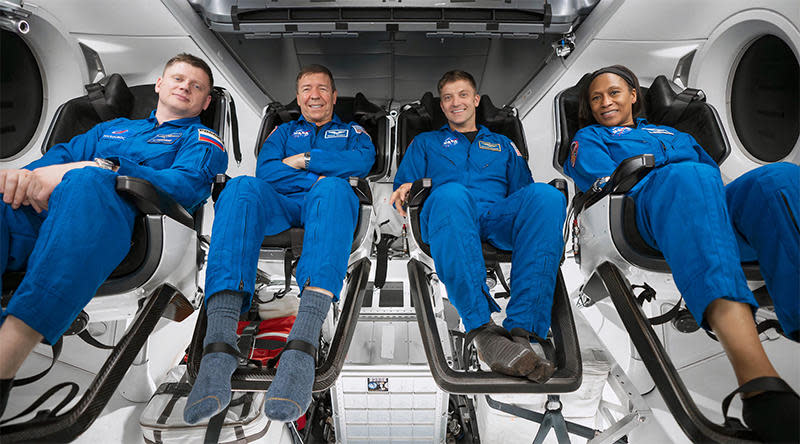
(62, 221)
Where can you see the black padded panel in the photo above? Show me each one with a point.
(698, 119)
(349, 109)
(499, 120)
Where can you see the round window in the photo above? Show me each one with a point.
(765, 99)
(21, 94)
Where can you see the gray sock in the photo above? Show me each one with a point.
(212, 389)
(289, 395)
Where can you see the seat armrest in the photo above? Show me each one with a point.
(218, 186)
(151, 200)
(629, 172)
(420, 190)
(362, 190)
(561, 185)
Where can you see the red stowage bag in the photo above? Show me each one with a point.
(268, 337)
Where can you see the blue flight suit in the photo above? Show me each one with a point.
(704, 228)
(70, 249)
(280, 197)
(483, 191)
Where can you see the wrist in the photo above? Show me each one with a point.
(306, 159)
(106, 164)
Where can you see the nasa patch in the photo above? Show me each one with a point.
(300, 133)
(208, 136)
(336, 133)
(450, 141)
(620, 130)
(573, 152)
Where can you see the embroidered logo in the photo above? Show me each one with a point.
(300, 133)
(450, 141)
(208, 136)
(620, 130)
(658, 131)
(336, 133)
(119, 132)
(573, 152)
(165, 139)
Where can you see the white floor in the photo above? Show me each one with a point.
(709, 380)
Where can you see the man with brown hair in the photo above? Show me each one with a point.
(300, 182)
(483, 191)
(62, 221)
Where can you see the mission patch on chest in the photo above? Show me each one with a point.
(489, 146)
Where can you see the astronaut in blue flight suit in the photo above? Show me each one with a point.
(704, 230)
(301, 181)
(483, 191)
(62, 221)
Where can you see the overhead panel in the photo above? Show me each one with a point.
(393, 51)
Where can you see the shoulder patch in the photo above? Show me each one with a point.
(360, 130)
(516, 150)
(573, 153)
(208, 136)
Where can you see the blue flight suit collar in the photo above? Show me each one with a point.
(335, 120)
(186, 121)
(482, 130)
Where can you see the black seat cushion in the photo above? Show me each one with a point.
(428, 116)
(349, 109)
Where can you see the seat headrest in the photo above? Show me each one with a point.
(118, 97)
(661, 106)
(427, 115)
(686, 111)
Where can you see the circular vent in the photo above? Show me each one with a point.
(21, 93)
(765, 99)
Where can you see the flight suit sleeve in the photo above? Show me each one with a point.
(589, 159)
(414, 164)
(356, 160)
(517, 170)
(79, 148)
(283, 178)
(188, 180)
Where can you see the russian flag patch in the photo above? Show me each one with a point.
(208, 136)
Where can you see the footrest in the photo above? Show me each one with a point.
(568, 374)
